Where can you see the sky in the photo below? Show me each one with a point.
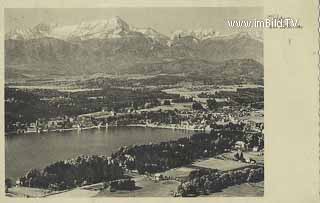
(164, 20)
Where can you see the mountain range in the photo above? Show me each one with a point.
(112, 46)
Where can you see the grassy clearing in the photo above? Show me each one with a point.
(172, 107)
(180, 172)
(28, 192)
(253, 155)
(145, 188)
(77, 192)
(222, 165)
(242, 190)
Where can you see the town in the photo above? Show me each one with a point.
(202, 112)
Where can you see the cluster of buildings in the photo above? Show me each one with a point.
(204, 120)
(56, 124)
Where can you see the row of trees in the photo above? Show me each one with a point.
(154, 158)
(74, 172)
(211, 103)
(209, 181)
(123, 184)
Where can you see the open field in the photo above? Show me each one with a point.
(28, 192)
(242, 190)
(77, 192)
(172, 107)
(188, 92)
(145, 187)
(222, 165)
(195, 90)
(253, 155)
(180, 172)
(61, 88)
(256, 116)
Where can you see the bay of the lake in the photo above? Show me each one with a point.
(23, 152)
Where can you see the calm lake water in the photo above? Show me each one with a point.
(24, 152)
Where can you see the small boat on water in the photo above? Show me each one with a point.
(99, 125)
(79, 127)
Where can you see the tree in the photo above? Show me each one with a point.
(181, 190)
(166, 102)
(188, 189)
(197, 106)
(207, 185)
(33, 173)
(212, 104)
(8, 183)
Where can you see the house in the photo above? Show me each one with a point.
(219, 100)
(158, 177)
(240, 145)
(148, 105)
(32, 129)
(255, 149)
(208, 128)
(21, 130)
(131, 110)
(33, 125)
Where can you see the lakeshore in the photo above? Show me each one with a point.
(46, 148)
(129, 158)
(148, 186)
(172, 127)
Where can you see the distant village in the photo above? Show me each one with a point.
(164, 116)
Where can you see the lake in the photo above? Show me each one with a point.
(23, 152)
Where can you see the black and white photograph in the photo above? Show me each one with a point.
(134, 102)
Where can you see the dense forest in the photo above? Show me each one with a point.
(26, 106)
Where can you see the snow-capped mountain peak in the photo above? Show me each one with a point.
(38, 31)
(151, 33)
(117, 23)
(113, 27)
